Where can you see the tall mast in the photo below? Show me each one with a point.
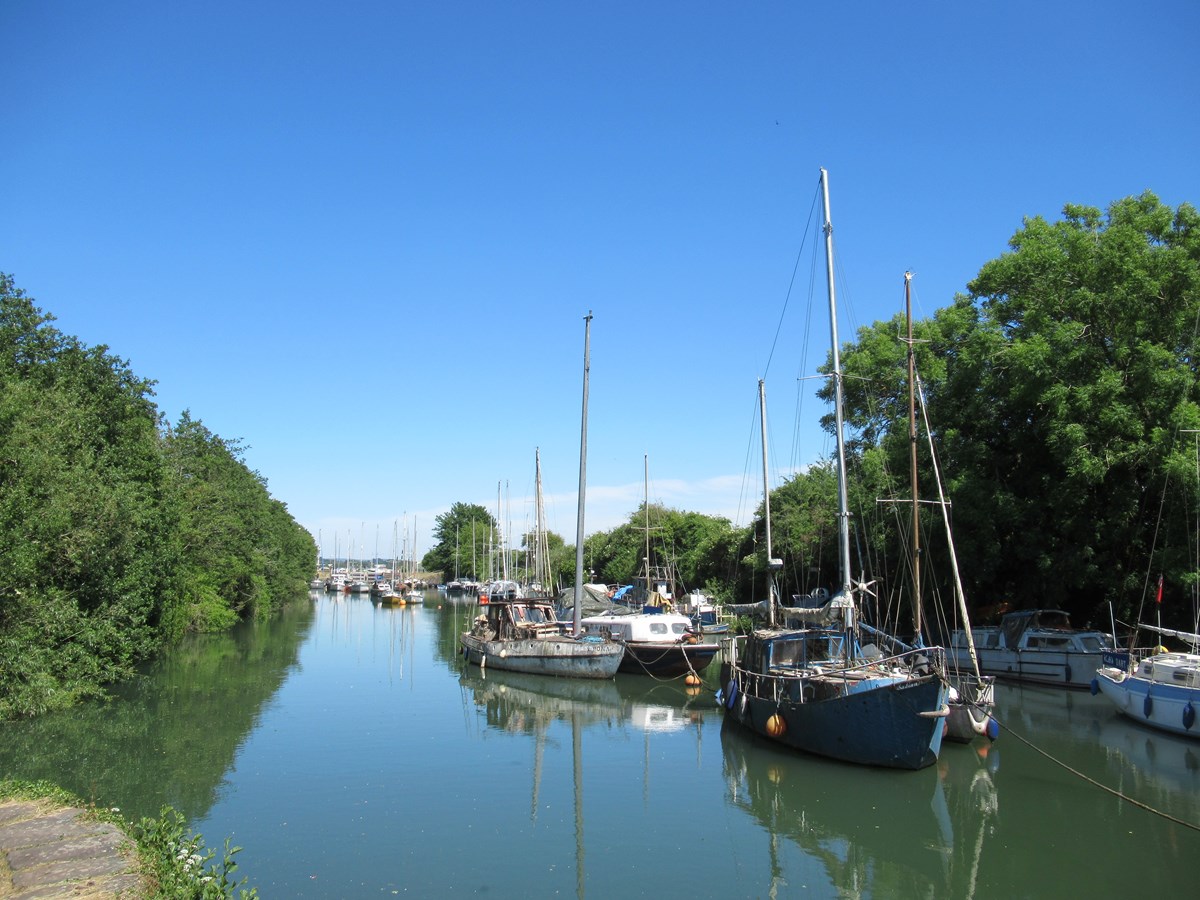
(912, 455)
(959, 595)
(843, 498)
(646, 516)
(540, 544)
(577, 625)
(772, 588)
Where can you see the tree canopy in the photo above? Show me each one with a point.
(1063, 397)
(463, 539)
(116, 534)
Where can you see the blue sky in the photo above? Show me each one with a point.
(362, 236)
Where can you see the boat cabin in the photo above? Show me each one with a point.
(1034, 645)
(782, 652)
(517, 619)
(1035, 629)
(1172, 668)
(640, 628)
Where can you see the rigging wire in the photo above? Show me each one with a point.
(1095, 783)
(791, 282)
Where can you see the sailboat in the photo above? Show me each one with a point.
(523, 634)
(815, 685)
(658, 640)
(1160, 689)
(972, 694)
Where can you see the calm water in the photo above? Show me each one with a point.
(347, 750)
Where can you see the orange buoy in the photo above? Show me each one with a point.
(692, 679)
(776, 726)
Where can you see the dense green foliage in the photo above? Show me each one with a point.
(116, 535)
(701, 549)
(464, 539)
(179, 865)
(1061, 394)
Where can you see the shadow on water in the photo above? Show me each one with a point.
(868, 831)
(170, 735)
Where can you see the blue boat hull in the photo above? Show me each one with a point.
(1167, 707)
(896, 725)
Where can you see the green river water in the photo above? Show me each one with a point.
(348, 751)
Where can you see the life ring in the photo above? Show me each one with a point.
(731, 694)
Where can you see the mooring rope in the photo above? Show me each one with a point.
(1093, 781)
(646, 671)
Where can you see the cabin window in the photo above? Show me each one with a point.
(536, 615)
(786, 654)
(658, 628)
(1093, 644)
(993, 639)
(679, 627)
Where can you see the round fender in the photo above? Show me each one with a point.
(993, 729)
(1189, 716)
(1094, 687)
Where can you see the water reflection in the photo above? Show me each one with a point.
(872, 832)
(349, 751)
(171, 734)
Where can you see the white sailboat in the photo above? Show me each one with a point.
(1159, 689)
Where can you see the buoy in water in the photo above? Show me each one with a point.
(692, 679)
(776, 726)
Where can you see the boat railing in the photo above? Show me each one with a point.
(780, 683)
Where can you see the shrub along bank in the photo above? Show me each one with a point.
(118, 531)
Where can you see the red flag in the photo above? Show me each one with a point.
(1158, 599)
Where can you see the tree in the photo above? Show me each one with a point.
(453, 533)
(1059, 393)
(115, 536)
(83, 563)
(702, 549)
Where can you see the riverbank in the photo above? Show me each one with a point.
(48, 850)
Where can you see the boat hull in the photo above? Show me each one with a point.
(1168, 706)
(559, 656)
(970, 713)
(896, 725)
(666, 659)
(1053, 668)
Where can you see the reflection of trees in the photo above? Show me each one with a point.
(874, 832)
(172, 733)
